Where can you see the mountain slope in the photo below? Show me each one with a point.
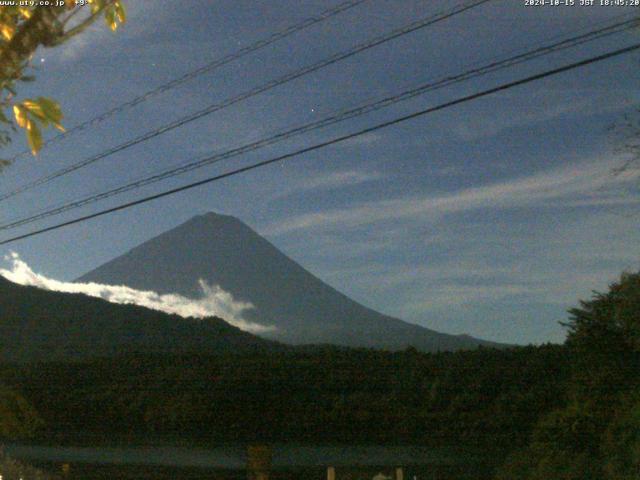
(224, 251)
(39, 325)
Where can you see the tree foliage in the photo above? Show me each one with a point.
(18, 418)
(569, 412)
(596, 435)
(24, 29)
(337, 395)
(610, 321)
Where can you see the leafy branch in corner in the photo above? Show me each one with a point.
(22, 31)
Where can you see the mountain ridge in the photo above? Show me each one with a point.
(43, 325)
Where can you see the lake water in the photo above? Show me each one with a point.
(230, 461)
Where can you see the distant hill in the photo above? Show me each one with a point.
(224, 251)
(39, 325)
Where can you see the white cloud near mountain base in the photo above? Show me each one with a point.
(214, 301)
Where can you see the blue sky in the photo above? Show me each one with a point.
(490, 218)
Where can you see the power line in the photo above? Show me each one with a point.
(279, 35)
(412, 27)
(335, 140)
(340, 116)
(497, 64)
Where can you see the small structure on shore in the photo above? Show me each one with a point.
(259, 467)
(258, 462)
(398, 474)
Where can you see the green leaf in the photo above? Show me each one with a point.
(121, 12)
(110, 18)
(51, 109)
(21, 116)
(34, 107)
(34, 137)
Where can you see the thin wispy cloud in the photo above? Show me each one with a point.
(480, 263)
(518, 112)
(368, 139)
(544, 239)
(213, 302)
(339, 179)
(329, 181)
(588, 183)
